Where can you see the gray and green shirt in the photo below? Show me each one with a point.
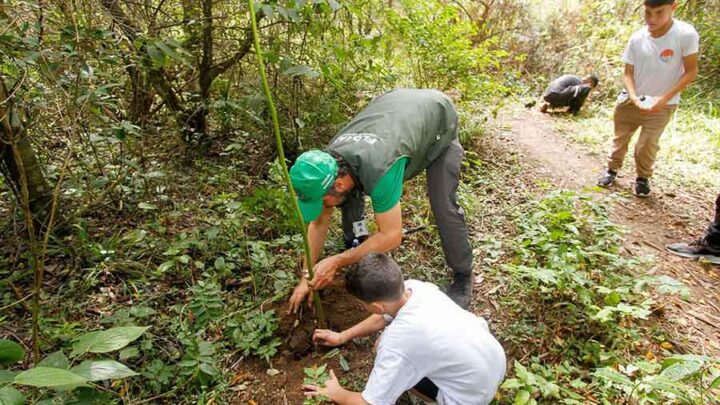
(397, 136)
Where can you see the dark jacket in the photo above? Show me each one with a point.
(567, 91)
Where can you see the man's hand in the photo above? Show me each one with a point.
(299, 294)
(636, 101)
(332, 389)
(325, 272)
(329, 338)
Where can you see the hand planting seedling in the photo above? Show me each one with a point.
(315, 377)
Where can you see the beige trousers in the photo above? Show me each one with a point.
(628, 119)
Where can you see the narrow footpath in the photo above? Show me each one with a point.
(667, 216)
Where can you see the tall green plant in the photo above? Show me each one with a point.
(281, 158)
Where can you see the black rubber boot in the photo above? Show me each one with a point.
(460, 290)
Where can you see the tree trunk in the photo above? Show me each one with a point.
(196, 121)
(190, 115)
(154, 76)
(19, 160)
(142, 96)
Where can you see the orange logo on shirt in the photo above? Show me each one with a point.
(667, 55)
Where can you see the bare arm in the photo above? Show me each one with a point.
(317, 232)
(629, 81)
(345, 397)
(691, 71)
(368, 326)
(387, 238)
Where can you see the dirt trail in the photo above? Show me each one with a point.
(667, 216)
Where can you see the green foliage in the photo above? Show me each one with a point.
(567, 262)
(56, 360)
(441, 51)
(704, 16)
(49, 377)
(316, 376)
(10, 352)
(11, 396)
(159, 375)
(198, 361)
(106, 340)
(567, 252)
(273, 203)
(254, 335)
(54, 370)
(206, 303)
(684, 379)
(102, 370)
(533, 384)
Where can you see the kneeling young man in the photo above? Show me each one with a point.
(429, 343)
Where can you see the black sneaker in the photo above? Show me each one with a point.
(460, 291)
(642, 187)
(696, 249)
(607, 179)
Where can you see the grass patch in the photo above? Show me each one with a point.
(690, 146)
(580, 318)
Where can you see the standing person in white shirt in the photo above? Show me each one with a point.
(661, 59)
(429, 343)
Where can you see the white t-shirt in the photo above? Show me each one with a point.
(658, 62)
(433, 337)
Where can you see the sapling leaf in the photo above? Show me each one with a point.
(10, 352)
(344, 363)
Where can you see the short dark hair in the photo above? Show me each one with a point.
(658, 3)
(594, 79)
(377, 278)
(343, 166)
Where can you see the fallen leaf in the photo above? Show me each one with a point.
(238, 378)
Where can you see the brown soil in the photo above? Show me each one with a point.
(253, 383)
(669, 215)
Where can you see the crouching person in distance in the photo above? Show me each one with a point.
(429, 344)
(569, 91)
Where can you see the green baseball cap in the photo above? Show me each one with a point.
(312, 175)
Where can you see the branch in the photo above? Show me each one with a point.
(223, 66)
(457, 3)
(119, 17)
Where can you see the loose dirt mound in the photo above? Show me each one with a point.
(297, 352)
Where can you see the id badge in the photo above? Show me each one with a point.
(360, 228)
